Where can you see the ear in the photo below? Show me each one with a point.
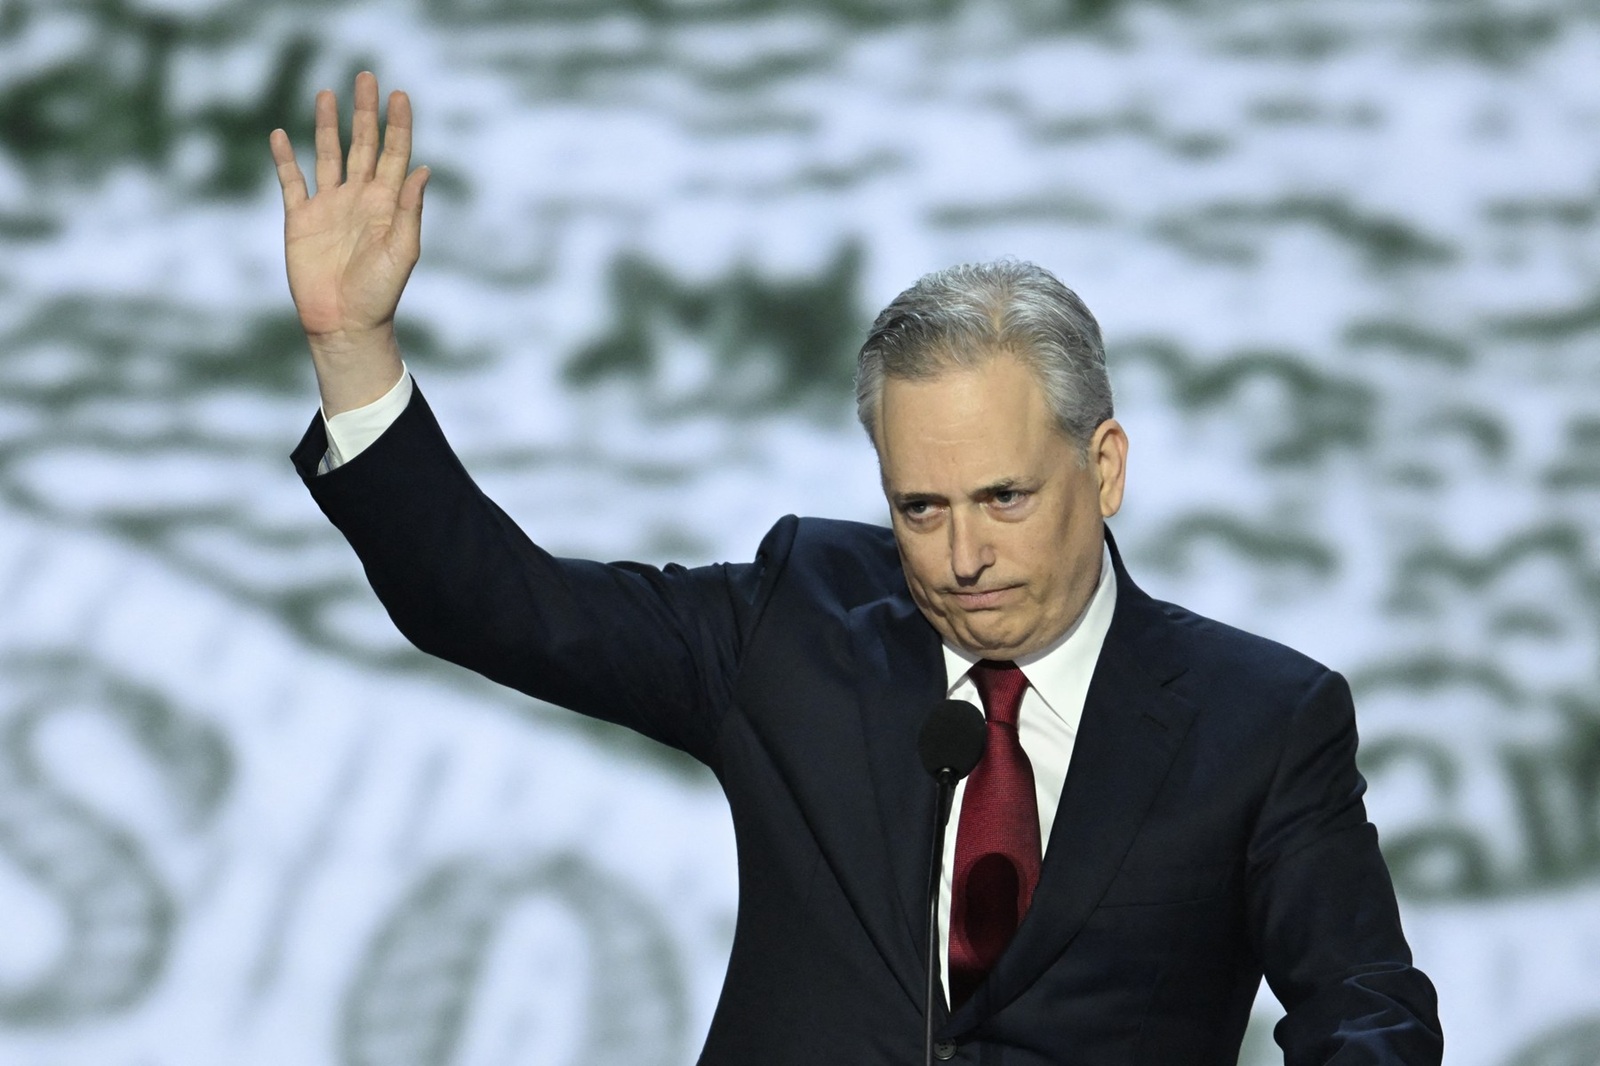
(1108, 454)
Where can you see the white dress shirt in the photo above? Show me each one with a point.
(1047, 723)
(352, 432)
(1058, 676)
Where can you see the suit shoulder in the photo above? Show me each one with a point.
(1227, 658)
(858, 562)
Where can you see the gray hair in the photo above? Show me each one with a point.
(964, 315)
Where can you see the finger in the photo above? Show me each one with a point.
(396, 157)
(328, 169)
(290, 180)
(364, 129)
(407, 228)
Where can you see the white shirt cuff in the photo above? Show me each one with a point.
(351, 432)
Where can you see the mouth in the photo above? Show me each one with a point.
(981, 599)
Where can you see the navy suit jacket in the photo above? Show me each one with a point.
(1211, 828)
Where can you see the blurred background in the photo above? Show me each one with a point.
(1345, 255)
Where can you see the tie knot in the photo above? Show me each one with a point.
(1000, 686)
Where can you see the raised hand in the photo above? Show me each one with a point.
(350, 248)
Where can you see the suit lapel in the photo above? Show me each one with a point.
(1131, 729)
(900, 677)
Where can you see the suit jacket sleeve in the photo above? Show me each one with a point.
(1323, 909)
(653, 649)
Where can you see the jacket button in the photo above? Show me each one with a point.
(944, 1050)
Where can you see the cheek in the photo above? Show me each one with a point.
(920, 572)
(1040, 558)
(1032, 548)
(917, 561)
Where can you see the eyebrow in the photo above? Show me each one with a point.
(900, 499)
(1005, 484)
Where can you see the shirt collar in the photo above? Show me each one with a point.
(1059, 672)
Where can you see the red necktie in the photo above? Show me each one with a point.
(997, 840)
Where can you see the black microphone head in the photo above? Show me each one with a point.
(952, 739)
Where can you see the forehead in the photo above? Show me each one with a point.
(994, 378)
(971, 425)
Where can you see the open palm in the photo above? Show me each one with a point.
(351, 247)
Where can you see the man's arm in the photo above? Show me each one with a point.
(1323, 910)
(653, 649)
(649, 648)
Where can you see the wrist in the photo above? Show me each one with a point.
(342, 348)
(354, 369)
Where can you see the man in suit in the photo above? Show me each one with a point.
(1166, 808)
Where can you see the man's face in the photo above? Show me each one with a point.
(999, 521)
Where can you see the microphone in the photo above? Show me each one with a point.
(951, 744)
(952, 740)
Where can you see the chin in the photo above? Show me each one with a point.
(990, 646)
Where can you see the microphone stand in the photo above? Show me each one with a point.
(951, 744)
(946, 779)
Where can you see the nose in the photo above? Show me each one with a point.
(970, 551)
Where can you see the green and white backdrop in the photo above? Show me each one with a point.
(1347, 257)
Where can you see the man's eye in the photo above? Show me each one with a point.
(1007, 497)
(916, 509)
